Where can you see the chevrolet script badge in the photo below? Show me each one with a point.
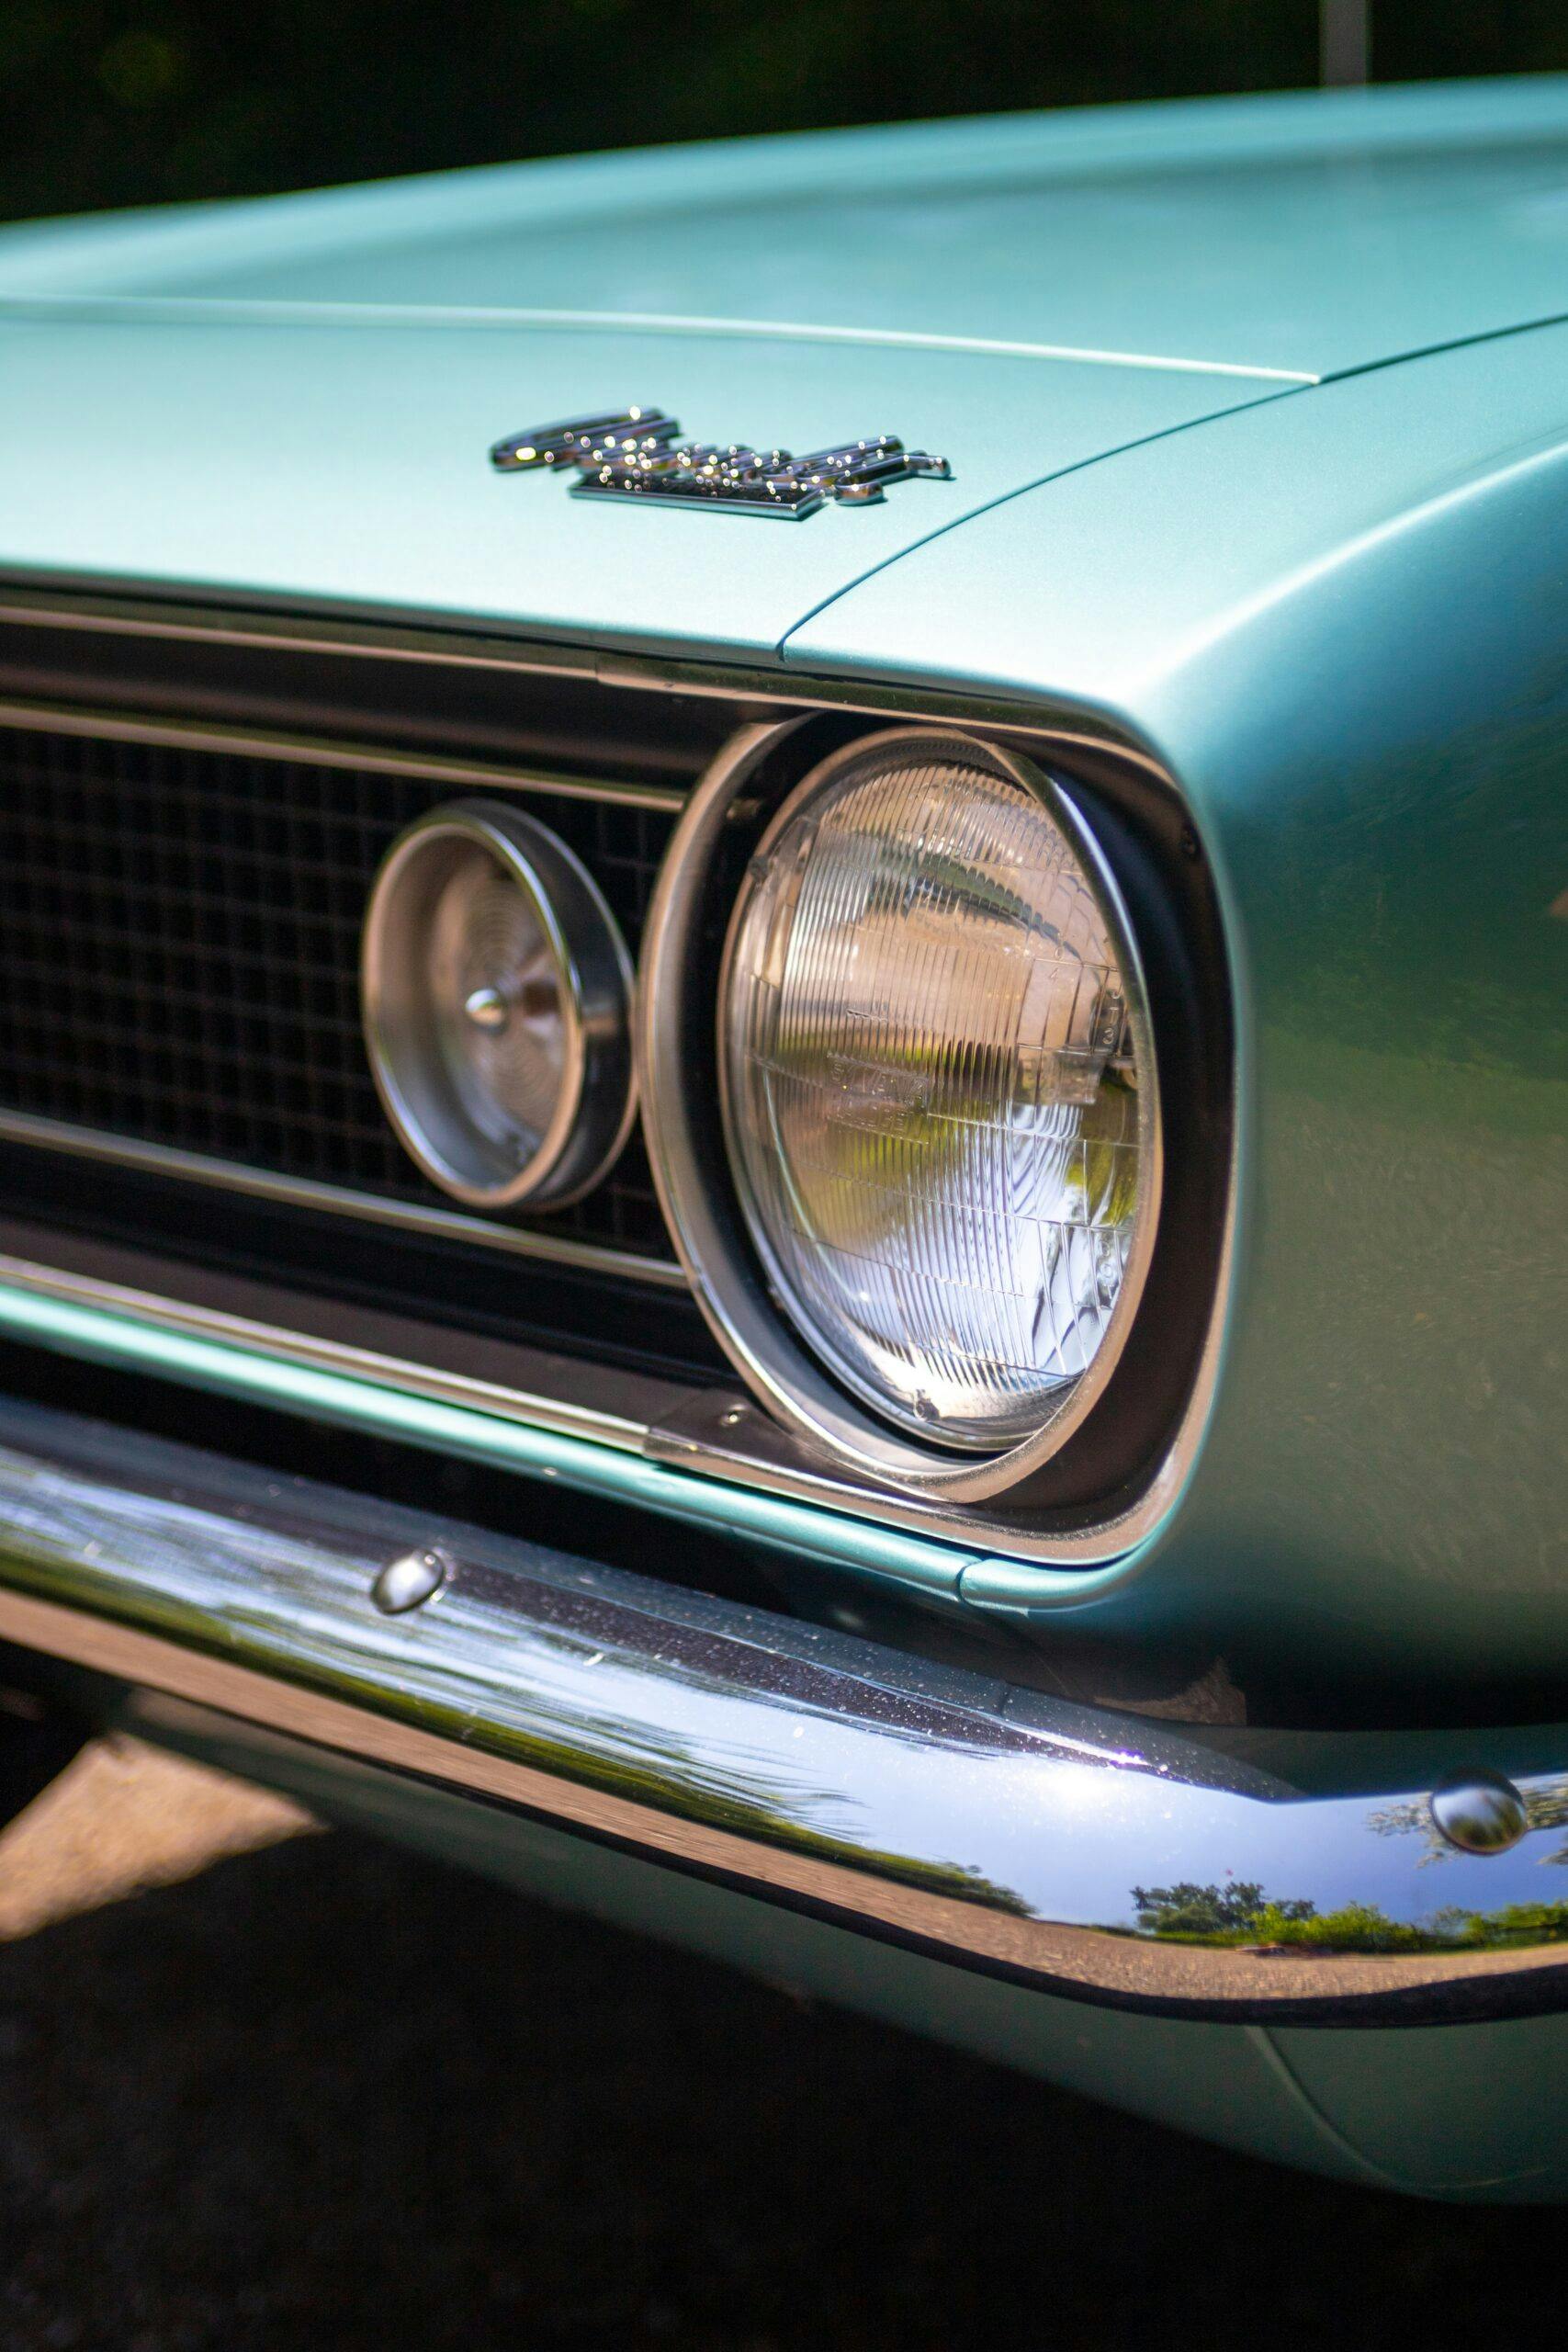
(638, 453)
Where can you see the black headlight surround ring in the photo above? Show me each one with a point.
(699, 1197)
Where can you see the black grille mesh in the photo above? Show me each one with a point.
(179, 942)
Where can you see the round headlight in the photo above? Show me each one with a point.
(494, 989)
(938, 1087)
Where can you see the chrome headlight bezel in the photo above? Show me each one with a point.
(698, 1185)
(596, 1098)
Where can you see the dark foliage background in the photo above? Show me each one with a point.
(116, 102)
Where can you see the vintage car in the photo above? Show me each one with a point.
(819, 1198)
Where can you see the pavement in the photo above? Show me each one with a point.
(266, 2087)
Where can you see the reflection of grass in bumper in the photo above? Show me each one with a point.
(1362, 1928)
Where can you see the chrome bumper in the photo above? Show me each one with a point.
(978, 1821)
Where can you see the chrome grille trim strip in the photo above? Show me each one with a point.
(717, 1441)
(213, 624)
(299, 1347)
(298, 1192)
(327, 751)
(340, 1386)
(746, 685)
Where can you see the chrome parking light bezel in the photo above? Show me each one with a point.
(598, 1095)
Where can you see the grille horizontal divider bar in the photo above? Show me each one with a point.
(451, 1224)
(327, 751)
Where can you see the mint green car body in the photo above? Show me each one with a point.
(1257, 414)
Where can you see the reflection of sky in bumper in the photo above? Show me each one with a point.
(747, 1723)
(1064, 1835)
(1071, 1845)
(1068, 1845)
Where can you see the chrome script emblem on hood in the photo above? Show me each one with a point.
(638, 453)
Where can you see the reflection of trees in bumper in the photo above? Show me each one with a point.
(1188, 1909)
(671, 1774)
(1242, 1914)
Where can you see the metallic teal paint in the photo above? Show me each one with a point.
(348, 466)
(1303, 235)
(1341, 622)
(304, 387)
(1337, 612)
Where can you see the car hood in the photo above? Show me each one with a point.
(294, 397)
(1304, 237)
(346, 464)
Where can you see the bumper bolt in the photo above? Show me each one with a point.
(1480, 1812)
(409, 1581)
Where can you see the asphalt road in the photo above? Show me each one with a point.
(260, 2088)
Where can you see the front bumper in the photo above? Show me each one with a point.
(997, 1829)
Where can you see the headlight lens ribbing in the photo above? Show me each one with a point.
(931, 1088)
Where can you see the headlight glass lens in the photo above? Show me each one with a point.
(931, 1091)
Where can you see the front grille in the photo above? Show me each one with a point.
(179, 941)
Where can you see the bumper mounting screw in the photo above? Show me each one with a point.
(409, 1581)
(1480, 1812)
